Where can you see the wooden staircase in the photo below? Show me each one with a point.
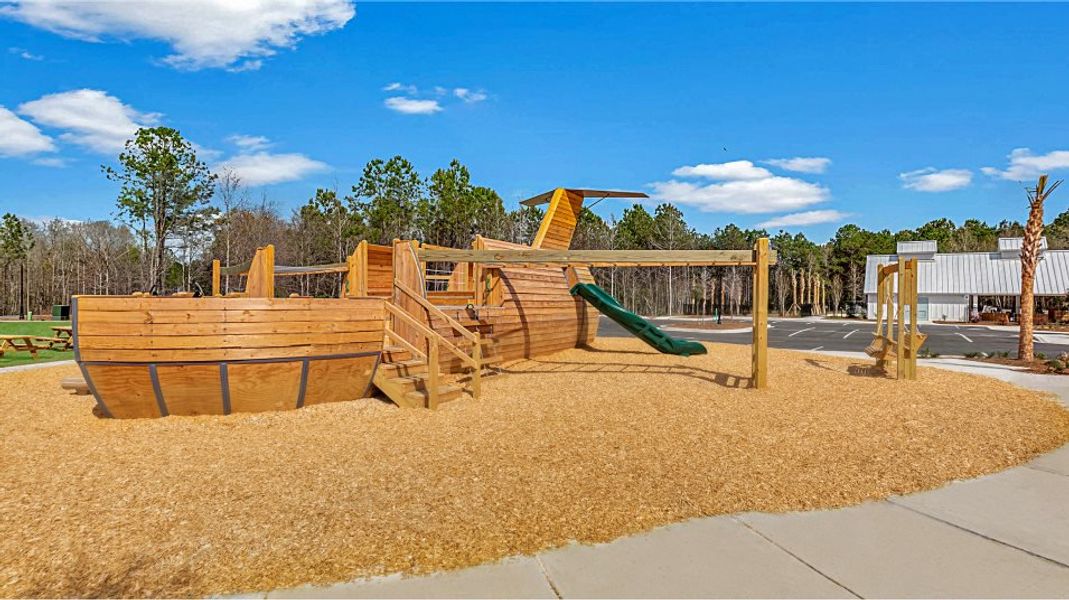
(404, 379)
(411, 377)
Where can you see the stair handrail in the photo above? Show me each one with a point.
(390, 333)
(475, 361)
(432, 350)
(437, 312)
(432, 336)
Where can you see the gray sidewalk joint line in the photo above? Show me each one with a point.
(978, 534)
(549, 580)
(795, 556)
(1045, 470)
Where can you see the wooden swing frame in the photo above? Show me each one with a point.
(902, 340)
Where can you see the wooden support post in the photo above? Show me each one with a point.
(356, 278)
(261, 277)
(269, 271)
(495, 295)
(760, 315)
(911, 269)
(900, 346)
(881, 301)
(477, 376)
(432, 374)
(477, 273)
(215, 277)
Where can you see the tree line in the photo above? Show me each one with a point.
(173, 216)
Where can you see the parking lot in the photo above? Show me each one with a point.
(853, 335)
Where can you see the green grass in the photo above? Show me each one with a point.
(39, 328)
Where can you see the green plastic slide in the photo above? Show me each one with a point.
(641, 328)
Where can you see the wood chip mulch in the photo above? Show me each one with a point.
(584, 445)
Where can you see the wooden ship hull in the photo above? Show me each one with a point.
(160, 356)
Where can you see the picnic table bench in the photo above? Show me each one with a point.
(32, 343)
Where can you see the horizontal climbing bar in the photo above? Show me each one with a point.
(596, 258)
(312, 269)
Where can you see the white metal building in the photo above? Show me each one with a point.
(949, 284)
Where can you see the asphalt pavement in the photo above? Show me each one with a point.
(848, 335)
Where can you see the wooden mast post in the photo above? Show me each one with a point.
(215, 277)
(911, 335)
(900, 346)
(356, 277)
(261, 277)
(760, 314)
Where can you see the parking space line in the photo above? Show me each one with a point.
(965, 337)
(817, 348)
(851, 333)
(801, 331)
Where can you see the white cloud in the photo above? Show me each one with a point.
(50, 161)
(936, 180)
(1025, 165)
(468, 96)
(262, 168)
(734, 170)
(401, 87)
(798, 164)
(249, 143)
(20, 138)
(412, 101)
(809, 217)
(740, 187)
(412, 106)
(202, 33)
(91, 118)
(771, 194)
(25, 54)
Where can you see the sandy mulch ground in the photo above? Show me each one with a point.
(583, 445)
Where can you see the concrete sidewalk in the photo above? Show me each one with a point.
(1003, 535)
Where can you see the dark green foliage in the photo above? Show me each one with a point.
(165, 192)
(387, 198)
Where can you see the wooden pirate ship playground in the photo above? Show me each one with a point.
(419, 337)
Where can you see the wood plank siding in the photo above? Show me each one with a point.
(152, 357)
(537, 314)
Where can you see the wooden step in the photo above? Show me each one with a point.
(393, 354)
(410, 383)
(446, 393)
(403, 368)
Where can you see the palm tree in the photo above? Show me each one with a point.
(1029, 258)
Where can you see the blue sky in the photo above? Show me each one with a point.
(905, 112)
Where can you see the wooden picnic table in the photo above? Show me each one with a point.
(32, 343)
(19, 342)
(65, 333)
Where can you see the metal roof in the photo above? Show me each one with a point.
(919, 247)
(980, 273)
(547, 196)
(1012, 245)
